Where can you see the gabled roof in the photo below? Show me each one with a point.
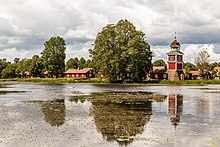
(83, 71)
(175, 53)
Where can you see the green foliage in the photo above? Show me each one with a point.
(23, 66)
(37, 66)
(9, 71)
(188, 67)
(16, 60)
(3, 65)
(202, 60)
(54, 55)
(120, 52)
(81, 63)
(88, 64)
(159, 62)
(72, 63)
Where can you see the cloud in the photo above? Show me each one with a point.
(191, 51)
(25, 25)
(10, 53)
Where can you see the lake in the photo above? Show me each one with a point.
(67, 115)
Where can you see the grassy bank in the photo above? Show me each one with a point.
(97, 80)
(58, 80)
(187, 82)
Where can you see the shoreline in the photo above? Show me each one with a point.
(104, 81)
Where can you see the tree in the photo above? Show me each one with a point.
(3, 64)
(121, 53)
(54, 56)
(72, 63)
(16, 60)
(188, 67)
(23, 66)
(37, 66)
(88, 63)
(81, 63)
(159, 62)
(202, 60)
(9, 71)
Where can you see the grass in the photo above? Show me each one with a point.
(97, 80)
(58, 80)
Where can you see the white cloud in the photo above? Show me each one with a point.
(10, 53)
(25, 25)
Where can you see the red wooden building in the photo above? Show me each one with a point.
(159, 73)
(79, 73)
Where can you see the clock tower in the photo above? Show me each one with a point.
(175, 62)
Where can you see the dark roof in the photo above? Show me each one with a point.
(175, 44)
(175, 53)
(84, 70)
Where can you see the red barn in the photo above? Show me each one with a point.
(79, 73)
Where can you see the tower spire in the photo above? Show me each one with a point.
(175, 36)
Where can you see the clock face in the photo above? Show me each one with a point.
(179, 58)
(171, 58)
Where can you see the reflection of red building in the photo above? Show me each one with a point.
(175, 108)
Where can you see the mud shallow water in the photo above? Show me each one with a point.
(67, 115)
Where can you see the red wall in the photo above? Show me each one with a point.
(171, 66)
(179, 66)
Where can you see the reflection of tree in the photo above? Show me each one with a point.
(54, 111)
(175, 107)
(121, 120)
(120, 115)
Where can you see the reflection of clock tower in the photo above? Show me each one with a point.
(175, 62)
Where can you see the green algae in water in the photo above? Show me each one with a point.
(8, 92)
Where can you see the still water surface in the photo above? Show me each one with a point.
(65, 115)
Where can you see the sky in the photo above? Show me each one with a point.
(25, 25)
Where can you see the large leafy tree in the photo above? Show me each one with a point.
(54, 55)
(121, 52)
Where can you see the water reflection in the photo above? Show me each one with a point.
(175, 108)
(119, 116)
(54, 111)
